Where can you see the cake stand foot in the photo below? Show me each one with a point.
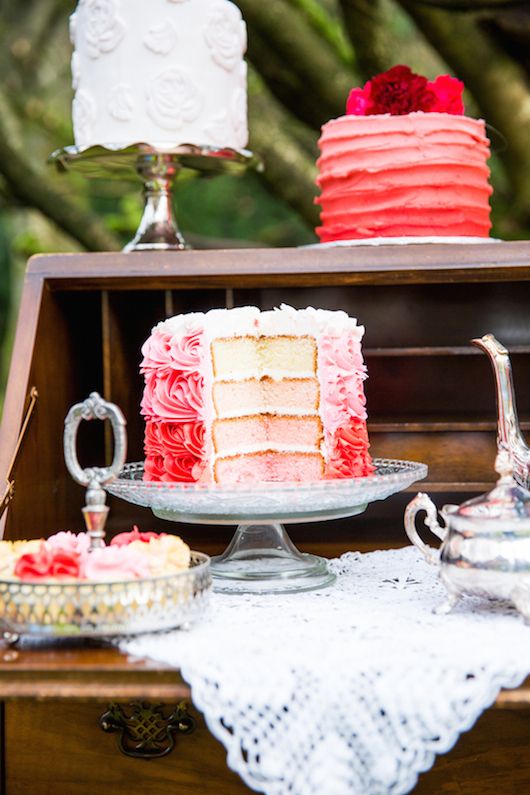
(158, 229)
(261, 558)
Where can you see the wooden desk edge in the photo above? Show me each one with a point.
(108, 674)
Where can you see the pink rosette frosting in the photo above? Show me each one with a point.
(174, 451)
(69, 542)
(174, 396)
(182, 438)
(146, 406)
(349, 457)
(184, 469)
(122, 539)
(186, 352)
(156, 351)
(342, 353)
(114, 563)
(342, 372)
(152, 440)
(154, 468)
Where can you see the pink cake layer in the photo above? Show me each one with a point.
(255, 395)
(394, 176)
(236, 434)
(269, 466)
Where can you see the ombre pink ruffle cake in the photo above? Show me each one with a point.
(239, 395)
(418, 174)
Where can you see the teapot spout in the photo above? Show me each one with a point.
(508, 431)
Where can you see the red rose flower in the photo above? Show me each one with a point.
(123, 539)
(448, 93)
(399, 91)
(47, 562)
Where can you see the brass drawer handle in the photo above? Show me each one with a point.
(146, 730)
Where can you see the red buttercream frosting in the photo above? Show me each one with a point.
(174, 451)
(48, 562)
(348, 456)
(154, 467)
(123, 539)
(184, 468)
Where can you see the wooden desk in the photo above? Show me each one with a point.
(54, 699)
(430, 396)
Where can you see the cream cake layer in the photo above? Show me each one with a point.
(244, 356)
(256, 396)
(414, 174)
(267, 432)
(269, 466)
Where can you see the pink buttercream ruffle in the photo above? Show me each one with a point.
(342, 405)
(173, 404)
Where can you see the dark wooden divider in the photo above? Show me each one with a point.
(430, 393)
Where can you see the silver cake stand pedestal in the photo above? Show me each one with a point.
(261, 557)
(158, 169)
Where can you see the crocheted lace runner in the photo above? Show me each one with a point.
(349, 690)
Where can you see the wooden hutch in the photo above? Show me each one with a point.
(431, 398)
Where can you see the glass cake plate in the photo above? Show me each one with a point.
(261, 558)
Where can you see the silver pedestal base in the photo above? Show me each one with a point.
(158, 168)
(261, 558)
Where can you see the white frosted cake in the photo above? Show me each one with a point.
(162, 72)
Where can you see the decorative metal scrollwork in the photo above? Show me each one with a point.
(146, 730)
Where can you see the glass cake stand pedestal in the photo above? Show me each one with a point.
(158, 169)
(261, 557)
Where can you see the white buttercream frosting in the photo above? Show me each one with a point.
(181, 61)
(240, 322)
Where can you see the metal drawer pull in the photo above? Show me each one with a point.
(146, 732)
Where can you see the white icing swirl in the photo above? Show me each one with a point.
(121, 103)
(161, 38)
(104, 28)
(225, 34)
(173, 99)
(83, 116)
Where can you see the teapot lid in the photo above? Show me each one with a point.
(507, 500)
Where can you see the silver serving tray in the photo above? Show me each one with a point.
(84, 609)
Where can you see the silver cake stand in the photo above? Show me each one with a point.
(261, 557)
(158, 169)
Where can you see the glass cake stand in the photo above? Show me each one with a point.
(261, 557)
(158, 169)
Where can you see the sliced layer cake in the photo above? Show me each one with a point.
(248, 396)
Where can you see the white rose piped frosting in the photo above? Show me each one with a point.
(163, 72)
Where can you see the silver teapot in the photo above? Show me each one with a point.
(485, 547)
(508, 431)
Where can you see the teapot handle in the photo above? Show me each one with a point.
(422, 502)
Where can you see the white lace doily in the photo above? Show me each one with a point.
(350, 690)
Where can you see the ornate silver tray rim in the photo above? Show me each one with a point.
(110, 608)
